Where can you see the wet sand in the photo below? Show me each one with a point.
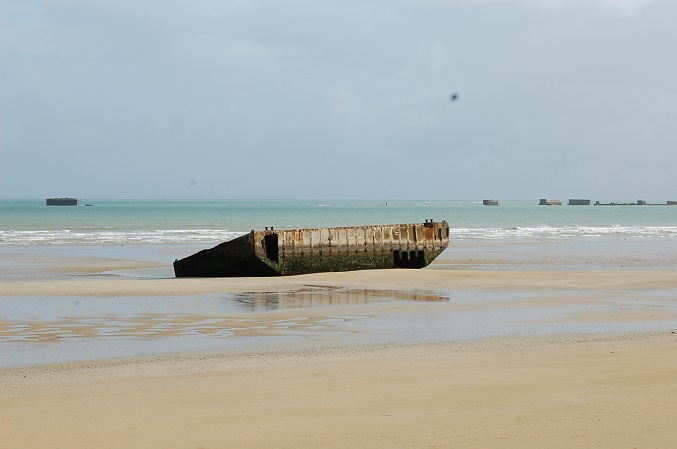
(558, 387)
(69, 320)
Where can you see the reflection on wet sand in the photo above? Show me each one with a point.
(150, 326)
(322, 296)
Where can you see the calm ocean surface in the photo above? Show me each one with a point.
(151, 222)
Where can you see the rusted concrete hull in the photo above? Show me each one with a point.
(302, 251)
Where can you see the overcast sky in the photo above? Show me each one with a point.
(338, 99)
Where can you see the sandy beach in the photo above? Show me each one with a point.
(612, 388)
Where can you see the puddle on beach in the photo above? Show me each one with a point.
(49, 319)
(44, 329)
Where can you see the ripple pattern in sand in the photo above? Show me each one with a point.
(155, 326)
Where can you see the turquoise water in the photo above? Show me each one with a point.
(150, 222)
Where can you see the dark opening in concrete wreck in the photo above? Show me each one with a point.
(301, 251)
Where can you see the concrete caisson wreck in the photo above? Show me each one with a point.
(63, 201)
(301, 251)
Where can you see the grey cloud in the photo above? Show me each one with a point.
(318, 93)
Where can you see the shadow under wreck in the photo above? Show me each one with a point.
(301, 251)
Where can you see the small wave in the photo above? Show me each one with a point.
(564, 233)
(107, 237)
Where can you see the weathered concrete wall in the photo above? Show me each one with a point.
(410, 237)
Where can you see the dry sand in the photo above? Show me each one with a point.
(559, 391)
(601, 391)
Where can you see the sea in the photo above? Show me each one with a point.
(162, 222)
(38, 241)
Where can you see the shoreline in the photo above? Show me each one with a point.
(397, 279)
